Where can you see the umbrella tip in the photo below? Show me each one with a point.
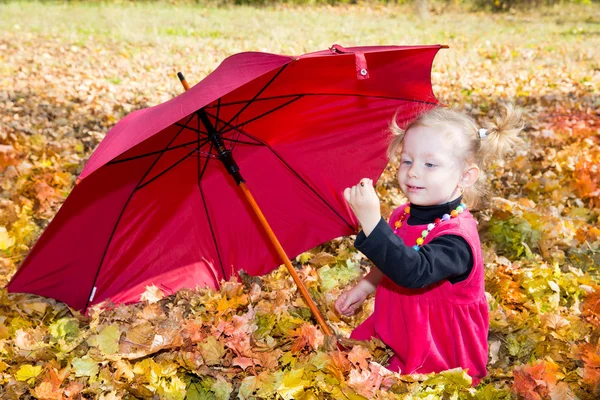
(180, 76)
(77, 181)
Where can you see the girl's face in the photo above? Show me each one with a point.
(429, 173)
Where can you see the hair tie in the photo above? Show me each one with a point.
(482, 133)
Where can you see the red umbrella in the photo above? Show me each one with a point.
(155, 205)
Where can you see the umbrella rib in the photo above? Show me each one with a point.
(210, 225)
(310, 187)
(157, 152)
(235, 127)
(200, 175)
(167, 170)
(258, 94)
(222, 138)
(87, 303)
(190, 128)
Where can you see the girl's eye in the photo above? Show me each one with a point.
(429, 165)
(406, 162)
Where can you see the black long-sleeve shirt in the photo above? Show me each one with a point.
(445, 257)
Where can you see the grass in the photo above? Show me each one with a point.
(159, 38)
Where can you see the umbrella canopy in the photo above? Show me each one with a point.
(154, 205)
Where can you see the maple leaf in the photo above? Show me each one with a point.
(562, 391)
(46, 390)
(338, 275)
(6, 240)
(590, 355)
(64, 328)
(537, 380)
(244, 362)
(360, 380)
(85, 366)
(73, 389)
(263, 385)
(321, 259)
(292, 385)
(25, 340)
(212, 351)
(360, 355)
(221, 388)
(123, 369)
(152, 294)
(307, 335)
(28, 373)
(270, 359)
(107, 340)
(591, 307)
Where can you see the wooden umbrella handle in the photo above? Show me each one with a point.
(311, 304)
(286, 261)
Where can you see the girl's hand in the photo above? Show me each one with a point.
(351, 300)
(365, 204)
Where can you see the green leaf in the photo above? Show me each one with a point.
(339, 275)
(197, 392)
(265, 324)
(222, 388)
(85, 366)
(64, 328)
(320, 360)
(108, 339)
(456, 377)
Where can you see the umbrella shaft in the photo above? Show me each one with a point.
(311, 305)
(224, 153)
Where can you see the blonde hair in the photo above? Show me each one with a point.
(501, 139)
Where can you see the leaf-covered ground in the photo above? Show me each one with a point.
(69, 73)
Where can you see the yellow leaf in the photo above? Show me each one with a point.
(292, 385)
(6, 240)
(28, 373)
(107, 340)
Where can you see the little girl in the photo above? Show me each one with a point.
(430, 304)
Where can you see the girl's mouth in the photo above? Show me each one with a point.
(414, 188)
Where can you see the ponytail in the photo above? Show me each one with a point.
(502, 136)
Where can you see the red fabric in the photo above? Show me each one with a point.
(442, 326)
(112, 240)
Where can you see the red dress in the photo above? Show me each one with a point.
(441, 326)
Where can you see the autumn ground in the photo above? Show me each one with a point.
(69, 72)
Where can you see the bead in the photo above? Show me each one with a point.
(430, 226)
(445, 217)
(406, 210)
(398, 224)
(460, 209)
(463, 205)
(425, 233)
(420, 241)
(416, 247)
(437, 221)
(454, 213)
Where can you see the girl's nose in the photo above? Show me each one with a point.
(412, 172)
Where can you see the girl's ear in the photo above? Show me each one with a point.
(469, 177)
